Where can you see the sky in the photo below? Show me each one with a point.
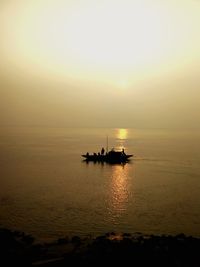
(114, 63)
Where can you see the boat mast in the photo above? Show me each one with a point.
(107, 144)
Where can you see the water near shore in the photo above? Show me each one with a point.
(48, 191)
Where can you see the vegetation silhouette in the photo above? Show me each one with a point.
(19, 249)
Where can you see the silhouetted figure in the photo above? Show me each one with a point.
(102, 151)
(87, 154)
(123, 151)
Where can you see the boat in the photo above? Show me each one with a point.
(110, 157)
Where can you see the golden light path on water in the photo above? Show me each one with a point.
(119, 184)
(119, 191)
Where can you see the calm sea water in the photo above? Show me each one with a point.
(48, 191)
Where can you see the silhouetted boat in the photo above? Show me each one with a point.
(111, 157)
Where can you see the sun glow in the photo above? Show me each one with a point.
(114, 34)
(102, 40)
(118, 38)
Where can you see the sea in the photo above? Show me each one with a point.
(49, 191)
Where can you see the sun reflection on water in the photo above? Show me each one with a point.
(119, 190)
(122, 134)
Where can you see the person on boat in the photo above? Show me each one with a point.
(123, 152)
(102, 151)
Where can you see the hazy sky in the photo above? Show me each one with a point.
(113, 63)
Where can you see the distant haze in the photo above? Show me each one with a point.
(100, 63)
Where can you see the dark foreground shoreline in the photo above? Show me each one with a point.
(19, 249)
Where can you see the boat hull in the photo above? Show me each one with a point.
(107, 158)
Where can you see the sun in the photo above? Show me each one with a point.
(123, 84)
